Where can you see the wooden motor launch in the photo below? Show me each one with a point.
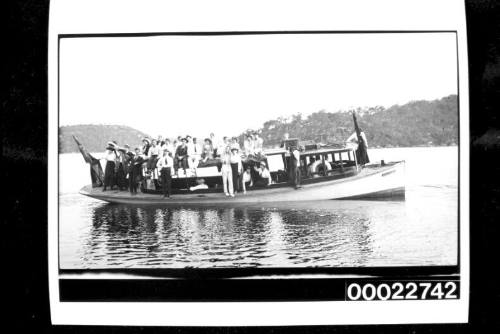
(329, 172)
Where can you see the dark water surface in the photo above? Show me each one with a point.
(422, 230)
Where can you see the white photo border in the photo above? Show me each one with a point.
(65, 20)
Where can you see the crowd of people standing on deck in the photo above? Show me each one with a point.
(162, 158)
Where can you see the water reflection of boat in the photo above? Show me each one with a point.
(124, 236)
(329, 172)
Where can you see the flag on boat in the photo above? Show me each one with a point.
(362, 150)
(96, 173)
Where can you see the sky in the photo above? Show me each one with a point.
(178, 85)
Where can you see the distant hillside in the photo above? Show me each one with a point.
(95, 137)
(417, 123)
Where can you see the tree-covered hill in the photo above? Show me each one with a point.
(417, 123)
(95, 137)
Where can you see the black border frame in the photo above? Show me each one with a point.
(26, 219)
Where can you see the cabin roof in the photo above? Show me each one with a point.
(322, 150)
(273, 151)
(325, 150)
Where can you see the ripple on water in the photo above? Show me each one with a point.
(349, 233)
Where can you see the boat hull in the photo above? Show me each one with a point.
(373, 182)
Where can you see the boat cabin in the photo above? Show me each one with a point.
(317, 164)
(324, 162)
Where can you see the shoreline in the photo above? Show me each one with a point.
(369, 148)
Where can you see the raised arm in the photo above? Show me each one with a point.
(352, 138)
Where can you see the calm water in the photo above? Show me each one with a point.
(422, 230)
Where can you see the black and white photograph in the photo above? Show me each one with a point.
(272, 156)
(299, 150)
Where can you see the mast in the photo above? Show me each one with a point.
(362, 150)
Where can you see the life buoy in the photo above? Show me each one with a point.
(316, 169)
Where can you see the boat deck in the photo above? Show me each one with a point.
(314, 189)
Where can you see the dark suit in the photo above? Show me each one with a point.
(180, 157)
(135, 173)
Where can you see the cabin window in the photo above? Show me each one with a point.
(275, 163)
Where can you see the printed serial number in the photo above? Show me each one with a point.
(402, 290)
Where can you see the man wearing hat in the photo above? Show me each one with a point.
(284, 141)
(109, 171)
(181, 157)
(122, 160)
(191, 151)
(246, 179)
(264, 178)
(295, 175)
(198, 149)
(227, 173)
(135, 170)
(236, 167)
(129, 156)
(215, 144)
(165, 164)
